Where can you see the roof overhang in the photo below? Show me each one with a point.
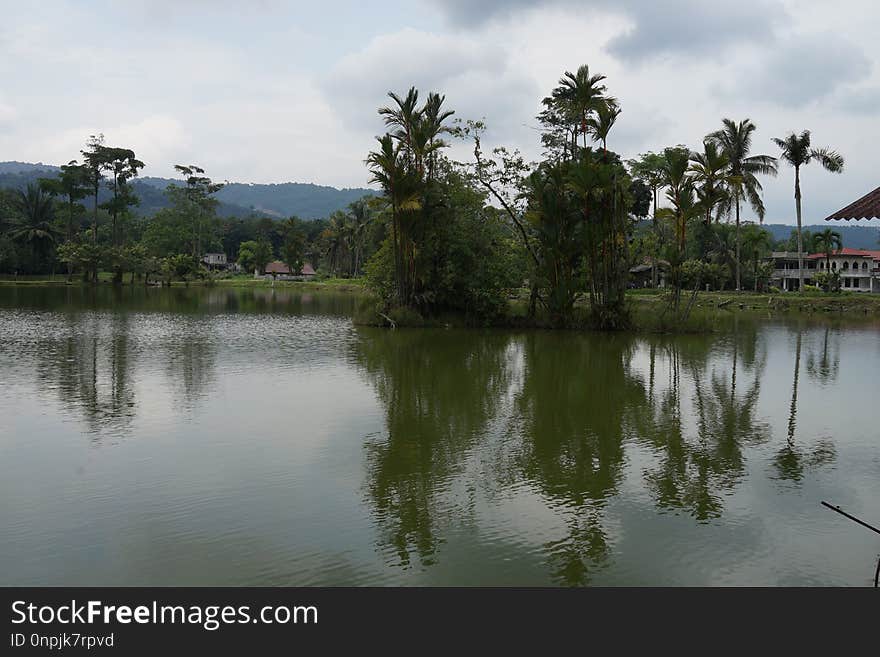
(867, 207)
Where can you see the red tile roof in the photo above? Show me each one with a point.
(848, 252)
(867, 207)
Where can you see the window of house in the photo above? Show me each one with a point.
(865, 265)
(845, 281)
(834, 266)
(845, 266)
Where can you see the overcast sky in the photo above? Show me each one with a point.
(288, 91)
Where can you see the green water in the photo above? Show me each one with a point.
(245, 437)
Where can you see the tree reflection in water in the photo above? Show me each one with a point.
(90, 369)
(792, 461)
(696, 471)
(577, 396)
(439, 392)
(563, 409)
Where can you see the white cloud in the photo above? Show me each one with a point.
(802, 69)
(290, 92)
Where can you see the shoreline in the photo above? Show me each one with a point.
(710, 312)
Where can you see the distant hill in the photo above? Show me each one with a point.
(304, 200)
(853, 235)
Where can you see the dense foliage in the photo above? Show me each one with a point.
(575, 229)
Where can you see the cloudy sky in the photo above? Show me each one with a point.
(288, 91)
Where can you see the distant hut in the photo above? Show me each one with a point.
(280, 270)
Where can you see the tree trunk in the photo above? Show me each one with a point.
(738, 286)
(800, 240)
(656, 243)
(95, 235)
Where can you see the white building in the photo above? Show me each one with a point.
(215, 260)
(786, 275)
(859, 269)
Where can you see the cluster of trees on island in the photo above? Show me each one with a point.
(446, 235)
(570, 225)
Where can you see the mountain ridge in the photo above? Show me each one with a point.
(237, 199)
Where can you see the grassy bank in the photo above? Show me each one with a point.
(711, 311)
(808, 302)
(354, 286)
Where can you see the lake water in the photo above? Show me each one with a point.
(251, 437)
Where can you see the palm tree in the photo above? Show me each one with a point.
(600, 124)
(680, 194)
(389, 170)
(756, 240)
(650, 167)
(403, 117)
(34, 226)
(684, 207)
(797, 152)
(359, 214)
(710, 170)
(827, 242)
(580, 95)
(735, 141)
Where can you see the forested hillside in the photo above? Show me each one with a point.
(303, 200)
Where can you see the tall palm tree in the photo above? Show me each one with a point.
(580, 95)
(360, 215)
(710, 171)
(34, 226)
(735, 141)
(796, 150)
(388, 168)
(683, 208)
(680, 194)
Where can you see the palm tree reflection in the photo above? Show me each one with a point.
(439, 393)
(792, 461)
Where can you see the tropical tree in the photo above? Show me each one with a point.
(94, 158)
(72, 184)
(710, 171)
(797, 151)
(359, 214)
(602, 121)
(651, 167)
(122, 166)
(827, 242)
(576, 101)
(735, 142)
(405, 166)
(255, 254)
(195, 200)
(756, 241)
(247, 255)
(35, 224)
(680, 192)
(293, 247)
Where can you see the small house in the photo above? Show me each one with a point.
(280, 271)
